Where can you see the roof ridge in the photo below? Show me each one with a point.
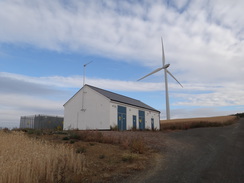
(113, 92)
(121, 98)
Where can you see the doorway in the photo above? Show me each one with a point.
(121, 118)
(141, 120)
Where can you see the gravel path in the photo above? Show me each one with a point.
(197, 155)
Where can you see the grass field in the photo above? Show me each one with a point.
(183, 124)
(23, 159)
(44, 156)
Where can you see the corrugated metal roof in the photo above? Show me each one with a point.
(120, 98)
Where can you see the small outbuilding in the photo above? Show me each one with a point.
(41, 122)
(93, 108)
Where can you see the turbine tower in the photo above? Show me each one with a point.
(165, 66)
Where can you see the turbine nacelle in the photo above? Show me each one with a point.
(166, 66)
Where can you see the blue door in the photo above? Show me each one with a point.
(121, 118)
(152, 123)
(134, 122)
(142, 120)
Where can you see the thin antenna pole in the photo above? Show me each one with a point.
(84, 72)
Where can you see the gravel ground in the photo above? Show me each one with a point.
(197, 155)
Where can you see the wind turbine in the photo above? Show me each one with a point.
(165, 66)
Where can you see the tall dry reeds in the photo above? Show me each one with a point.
(23, 159)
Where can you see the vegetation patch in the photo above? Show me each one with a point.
(240, 115)
(70, 156)
(184, 124)
(81, 150)
(129, 157)
(138, 145)
(32, 161)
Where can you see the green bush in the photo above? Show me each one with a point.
(74, 135)
(65, 138)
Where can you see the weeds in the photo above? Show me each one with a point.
(31, 161)
(101, 156)
(6, 130)
(81, 150)
(138, 145)
(135, 145)
(130, 158)
(114, 128)
(65, 138)
(71, 141)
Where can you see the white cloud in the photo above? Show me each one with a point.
(15, 104)
(226, 94)
(203, 42)
(194, 94)
(199, 112)
(128, 31)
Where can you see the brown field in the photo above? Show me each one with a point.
(76, 156)
(181, 124)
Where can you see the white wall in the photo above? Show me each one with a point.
(148, 116)
(130, 111)
(71, 109)
(113, 114)
(101, 113)
(95, 114)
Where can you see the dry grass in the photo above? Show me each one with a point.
(24, 159)
(196, 122)
(135, 145)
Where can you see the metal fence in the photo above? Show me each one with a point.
(41, 122)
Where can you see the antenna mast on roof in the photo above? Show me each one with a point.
(84, 72)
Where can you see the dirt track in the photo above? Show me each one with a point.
(198, 155)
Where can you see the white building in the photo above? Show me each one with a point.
(95, 108)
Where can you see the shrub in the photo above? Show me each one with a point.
(101, 156)
(74, 135)
(114, 128)
(138, 145)
(130, 158)
(241, 115)
(72, 142)
(65, 138)
(81, 150)
(6, 130)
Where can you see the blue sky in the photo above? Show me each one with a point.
(44, 45)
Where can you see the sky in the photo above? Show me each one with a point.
(44, 45)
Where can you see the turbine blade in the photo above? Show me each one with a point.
(159, 69)
(88, 63)
(174, 77)
(163, 56)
